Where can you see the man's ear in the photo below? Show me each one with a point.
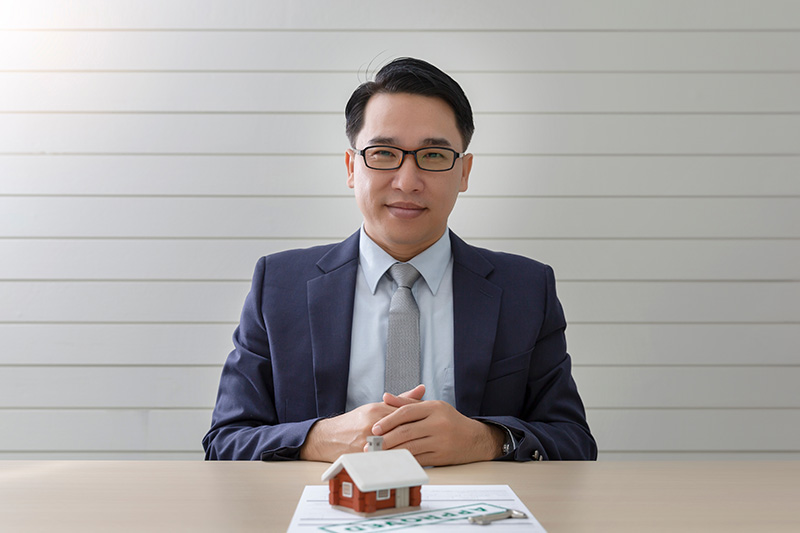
(466, 168)
(349, 162)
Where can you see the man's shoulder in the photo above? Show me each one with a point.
(310, 254)
(503, 263)
(500, 258)
(311, 261)
(520, 278)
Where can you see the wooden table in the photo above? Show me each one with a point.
(85, 496)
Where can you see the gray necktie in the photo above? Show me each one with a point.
(402, 340)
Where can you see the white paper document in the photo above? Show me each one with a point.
(444, 508)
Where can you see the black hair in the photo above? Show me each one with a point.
(412, 76)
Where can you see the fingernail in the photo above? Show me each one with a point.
(376, 430)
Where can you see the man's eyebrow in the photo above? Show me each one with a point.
(391, 141)
(436, 141)
(381, 140)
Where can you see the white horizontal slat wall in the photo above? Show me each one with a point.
(151, 151)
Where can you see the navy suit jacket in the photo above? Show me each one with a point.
(290, 364)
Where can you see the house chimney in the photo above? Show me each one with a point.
(374, 444)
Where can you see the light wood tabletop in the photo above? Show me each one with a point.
(621, 496)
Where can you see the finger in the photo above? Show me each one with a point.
(420, 446)
(429, 450)
(404, 415)
(406, 398)
(427, 459)
(366, 415)
(397, 401)
(416, 393)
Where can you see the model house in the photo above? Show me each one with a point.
(369, 482)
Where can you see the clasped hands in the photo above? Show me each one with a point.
(433, 431)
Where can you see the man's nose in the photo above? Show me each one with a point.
(409, 176)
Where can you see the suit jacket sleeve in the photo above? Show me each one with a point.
(548, 420)
(246, 423)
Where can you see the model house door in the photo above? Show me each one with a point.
(401, 497)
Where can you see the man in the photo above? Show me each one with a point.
(306, 379)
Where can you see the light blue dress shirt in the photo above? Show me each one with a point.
(433, 292)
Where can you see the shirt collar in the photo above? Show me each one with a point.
(431, 263)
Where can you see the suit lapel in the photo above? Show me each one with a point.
(330, 308)
(476, 308)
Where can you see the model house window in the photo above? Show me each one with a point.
(347, 489)
(383, 494)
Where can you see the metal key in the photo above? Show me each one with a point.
(486, 519)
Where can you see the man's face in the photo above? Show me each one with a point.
(406, 210)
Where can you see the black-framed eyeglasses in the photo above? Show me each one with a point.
(431, 158)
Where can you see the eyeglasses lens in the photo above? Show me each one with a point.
(388, 158)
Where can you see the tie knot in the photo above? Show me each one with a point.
(403, 274)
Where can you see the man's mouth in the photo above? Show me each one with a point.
(405, 209)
